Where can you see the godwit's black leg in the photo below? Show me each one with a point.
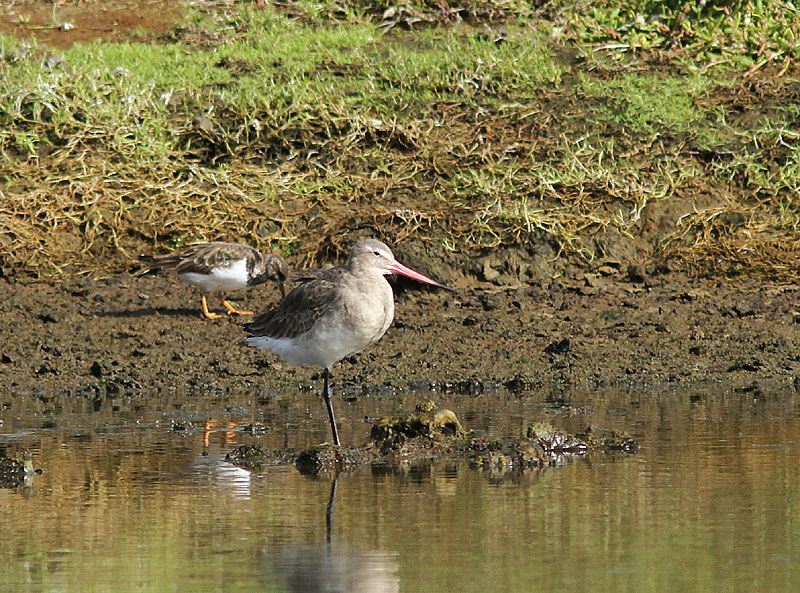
(329, 511)
(327, 396)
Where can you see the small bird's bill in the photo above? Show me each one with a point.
(398, 268)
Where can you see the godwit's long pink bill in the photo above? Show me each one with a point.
(334, 313)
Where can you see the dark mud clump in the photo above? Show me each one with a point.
(429, 433)
(258, 457)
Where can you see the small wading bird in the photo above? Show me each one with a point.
(221, 267)
(334, 313)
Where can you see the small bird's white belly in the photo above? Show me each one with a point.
(219, 279)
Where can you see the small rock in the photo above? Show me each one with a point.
(636, 273)
(745, 310)
(97, 370)
(594, 280)
(15, 470)
(751, 366)
(53, 61)
(45, 369)
(489, 302)
(607, 270)
(182, 426)
(560, 347)
(489, 273)
(255, 428)
(519, 384)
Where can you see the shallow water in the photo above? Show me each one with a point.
(126, 503)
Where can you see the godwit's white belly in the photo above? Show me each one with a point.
(219, 279)
(332, 338)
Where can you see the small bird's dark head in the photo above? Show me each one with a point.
(274, 267)
(281, 274)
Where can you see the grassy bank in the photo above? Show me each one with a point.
(601, 132)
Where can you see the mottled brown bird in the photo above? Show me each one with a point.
(221, 267)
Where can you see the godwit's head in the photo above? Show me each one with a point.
(370, 255)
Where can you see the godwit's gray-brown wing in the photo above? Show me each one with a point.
(297, 313)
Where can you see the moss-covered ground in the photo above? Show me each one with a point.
(661, 133)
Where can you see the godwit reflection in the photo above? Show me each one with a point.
(330, 566)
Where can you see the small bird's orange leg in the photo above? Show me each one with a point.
(233, 310)
(212, 425)
(208, 314)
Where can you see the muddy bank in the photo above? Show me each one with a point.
(607, 328)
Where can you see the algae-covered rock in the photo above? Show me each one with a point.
(555, 440)
(426, 423)
(16, 469)
(429, 433)
(257, 457)
(426, 433)
(544, 445)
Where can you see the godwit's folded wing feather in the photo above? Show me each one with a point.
(297, 313)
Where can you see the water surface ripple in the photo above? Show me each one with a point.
(127, 503)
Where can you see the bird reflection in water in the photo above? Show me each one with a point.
(332, 567)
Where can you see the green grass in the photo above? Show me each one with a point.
(744, 35)
(290, 129)
(648, 104)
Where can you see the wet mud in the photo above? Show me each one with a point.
(130, 334)
(63, 24)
